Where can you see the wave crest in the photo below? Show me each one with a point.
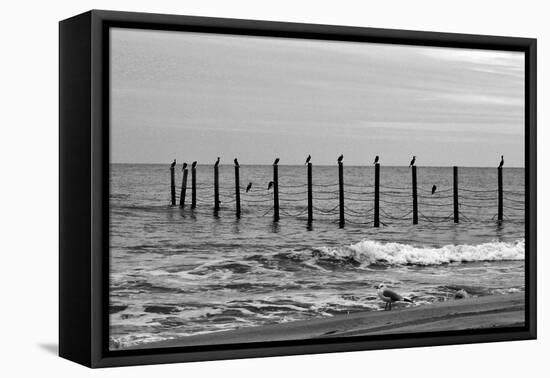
(370, 252)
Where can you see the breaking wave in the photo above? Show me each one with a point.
(370, 252)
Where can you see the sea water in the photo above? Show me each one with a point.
(177, 272)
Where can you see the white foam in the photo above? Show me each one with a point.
(373, 252)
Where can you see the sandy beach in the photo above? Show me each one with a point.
(472, 313)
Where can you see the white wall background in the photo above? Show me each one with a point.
(29, 189)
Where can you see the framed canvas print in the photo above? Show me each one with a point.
(234, 188)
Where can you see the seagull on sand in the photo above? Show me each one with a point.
(248, 187)
(276, 161)
(434, 188)
(412, 161)
(173, 164)
(376, 159)
(308, 159)
(340, 158)
(390, 296)
(236, 162)
(501, 161)
(184, 166)
(217, 162)
(270, 185)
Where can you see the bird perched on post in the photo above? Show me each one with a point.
(412, 161)
(194, 164)
(376, 159)
(501, 161)
(184, 166)
(236, 162)
(270, 185)
(308, 159)
(276, 161)
(340, 158)
(248, 187)
(390, 296)
(434, 188)
(173, 164)
(217, 162)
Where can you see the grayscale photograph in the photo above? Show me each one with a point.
(269, 189)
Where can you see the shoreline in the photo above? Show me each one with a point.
(506, 310)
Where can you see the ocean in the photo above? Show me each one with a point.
(178, 272)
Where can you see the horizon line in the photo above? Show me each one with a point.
(327, 165)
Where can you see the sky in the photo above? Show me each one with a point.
(196, 96)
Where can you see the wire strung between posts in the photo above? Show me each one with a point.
(360, 223)
(396, 194)
(324, 211)
(282, 199)
(476, 206)
(292, 186)
(477, 199)
(513, 208)
(430, 190)
(522, 202)
(395, 202)
(361, 186)
(284, 212)
(257, 201)
(517, 194)
(396, 187)
(357, 212)
(359, 199)
(293, 193)
(391, 216)
(435, 204)
(433, 219)
(326, 185)
(358, 193)
(478, 191)
(435, 197)
(326, 191)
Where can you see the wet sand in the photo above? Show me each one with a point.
(483, 312)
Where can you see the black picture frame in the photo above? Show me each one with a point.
(84, 189)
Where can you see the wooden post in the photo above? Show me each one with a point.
(172, 187)
(455, 193)
(309, 194)
(415, 196)
(275, 193)
(500, 200)
(183, 188)
(377, 195)
(341, 192)
(193, 187)
(216, 189)
(237, 193)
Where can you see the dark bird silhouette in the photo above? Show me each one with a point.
(184, 166)
(194, 164)
(217, 162)
(412, 161)
(308, 159)
(248, 187)
(270, 185)
(236, 162)
(276, 161)
(340, 158)
(376, 159)
(434, 188)
(501, 161)
(173, 164)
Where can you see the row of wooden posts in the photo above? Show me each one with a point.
(342, 222)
